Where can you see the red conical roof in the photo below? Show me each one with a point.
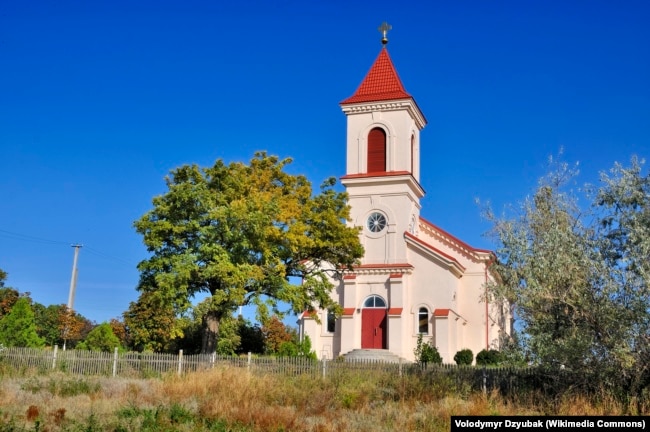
(381, 83)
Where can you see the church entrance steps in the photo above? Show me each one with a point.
(373, 355)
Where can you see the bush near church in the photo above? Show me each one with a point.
(426, 353)
(489, 357)
(464, 357)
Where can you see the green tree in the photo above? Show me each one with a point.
(47, 323)
(277, 333)
(242, 234)
(151, 323)
(8, 298)
(251, 336)
(3, 278)
(623, 233)
(18, 327)
(577, 278)
(101, 338)
(229, 337)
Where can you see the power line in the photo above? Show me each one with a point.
(25, 237)
(33, 239)
(106, 256)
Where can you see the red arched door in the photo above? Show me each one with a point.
(373, 323)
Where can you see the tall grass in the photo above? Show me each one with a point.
(233, 399)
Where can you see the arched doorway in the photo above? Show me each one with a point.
(373, 323)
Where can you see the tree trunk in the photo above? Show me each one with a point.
(211, 322)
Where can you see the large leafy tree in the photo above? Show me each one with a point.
(578, 278)
(241, 234)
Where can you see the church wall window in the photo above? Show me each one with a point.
(331, 322)
(423, 321)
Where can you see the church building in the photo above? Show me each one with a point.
(415, 278)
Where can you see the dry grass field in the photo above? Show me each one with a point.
(231, 399)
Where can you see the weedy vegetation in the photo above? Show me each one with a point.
(233, 399)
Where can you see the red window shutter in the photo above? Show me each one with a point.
(377, 150)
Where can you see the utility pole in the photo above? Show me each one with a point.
(73, 279)
(73, 288)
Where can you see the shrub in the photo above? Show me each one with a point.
(464, 357)
(101, 338)
(488, 358)
(425, 352)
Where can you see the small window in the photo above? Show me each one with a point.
(331, 322)
(376, 222)
(374, 302)
(423, 321)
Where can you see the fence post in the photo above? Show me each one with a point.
(400, 367)
(115, 362)
(180, 362)
(484, 379)
(213, 359)
(324, 367)
(56, 349)
(248, 365)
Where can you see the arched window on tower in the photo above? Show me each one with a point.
(377, 150)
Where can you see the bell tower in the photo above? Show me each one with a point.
(383, 160)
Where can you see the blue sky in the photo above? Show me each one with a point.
(99, 100)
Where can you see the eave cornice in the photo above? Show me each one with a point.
(476, 255)
(384, 179)
(442, 258)
(388, 105)
(390, 270)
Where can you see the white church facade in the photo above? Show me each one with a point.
(415, 278)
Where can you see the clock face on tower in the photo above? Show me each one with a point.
(376, 222)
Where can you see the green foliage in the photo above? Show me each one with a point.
(62, 386)
(47, 323)
(578, 278)
(18, 328)
(464, 357)
(295, 348)
(251, 336)
(489, 357)
(151, 322)
(426, 353)
(56, 324)
(276, 334)
(240, 234)
(101, 338)
(8, 297)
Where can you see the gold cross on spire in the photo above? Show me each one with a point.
(383, 29)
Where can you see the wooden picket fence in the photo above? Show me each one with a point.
(144, 365)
